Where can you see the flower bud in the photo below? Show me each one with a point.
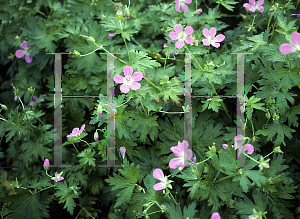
(127, 13)
(76, 53)
(99, 109)
(213, 149)
(96, 136)
(116, 10)
(3, 106)
(268, 115)
(46, 164)
(31, 90)
(91, 39)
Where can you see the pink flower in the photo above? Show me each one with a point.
(211, 39)
(57, 177)
(110, 36)
(21, 53)
(129, 82)
(35, 98)
(182, 4)
(194, 159)
(181, 36)
(122, 151)
(96, 136)
(46, 164)
(116, 10)
(253, 6)
(16, 97)
(239, 141)
(199, 11)
(287, 48)
(215, 215)
(298, 15)
(76, 132)
(158, 174)
(183, 154)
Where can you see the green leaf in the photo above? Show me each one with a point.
(227, 4)
(286, 27)
(252, 104)
(139, 61)
(125, 184)
(212, 103)
(87, 157)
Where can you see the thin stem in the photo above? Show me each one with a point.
(289, 60)
(75, 148)
(234, 174)
(173, 198)
(217, 175)
(144, 109)
(26, 114)
(90, 52)
(268, 154)
(125, 102)
(251, 158)
(44, 189)
(85, 142)
(153, 84)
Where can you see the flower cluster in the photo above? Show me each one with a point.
(76, 132)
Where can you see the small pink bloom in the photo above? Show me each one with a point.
(110, 36)
(211, 39)
(16, 97)
(122, 151)
(199, 11)
(182, 36)
(76, 132)
(31, 103)
(158, 174)
(215, 215)
(253, 5)
(21, 53)
(287, 48)
(116, 10)
(183, 154)
(182, 4)
(46, 164)
(298, 15)
(57, 177)
(239, 142)
(129, 82)
(99, 113)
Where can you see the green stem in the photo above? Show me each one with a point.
(217, 175)
(153, 84)
(144, 109)
(173, 198)
(126, 48)
(90, 52)
(85, 142)
(269, 26)
(26, 113)
(232, 175)
(268, 154)
(75, 148)
(44, 189)
(251, 158)
(289, 60)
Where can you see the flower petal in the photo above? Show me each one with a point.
(119, 79)
(188, 30)
(217, 45)
(252, 2)
(82, 127)
(179, 44)
(128, 70)
(286, 48)
(261, 9)
(188, 1)
(176, 1)
(189, 40)
(215, 215)
(205, 33)
(176, 150)
(20, 53)
(249, 148)
(212, 32)
(177, 7)
(259, 2)
(27, 58)
(158, 174)
(205, 42)
(252, 9)
(31, 103)
(173, 36)
(225, 146)
(178, 28)
(189, 154)
(247, 5)
(239, 140)
(159, 186)
(219, 38)
(135, 86)
(295, 39)
(24, 45)
(124, 88)
(137, 76)
(174, 163)
(184, 7)
(35, 97)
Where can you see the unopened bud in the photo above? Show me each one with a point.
(92, 39)
(76, 53)
(3, 106)
(31, 90)
(127, 13)
(96, 136)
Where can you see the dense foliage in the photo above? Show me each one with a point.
(149, 39)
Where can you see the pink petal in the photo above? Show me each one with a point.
(159, 186)
(174, 163)
(249, 148)
(225, 146)
(247, 5)
(188, 1)
(31, 103)
(295, 39)
(124, 88)
(178, 28)
(27, 58)
(182, 165)
(137, 76)
(217, 45)
(179, 44)
(177, 7)
(82, 127)
(252, 9)
(205, 32)
(184, 7)
(35, 97)
(127, 71)
(158, 174)
(173, 36)
(205, 42)
(24, 45)
(20, 53)
(135, 86)
(189, 154)
(189, 40)
(219, 38)
(239, 140)
(212, 32)
(286, 48)
(261, 9)
(176, 150)
(188, 30)
(16, 97)
(119, 79)
(259, 2)
(252, 2)
(176, 1)
(215, 215)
